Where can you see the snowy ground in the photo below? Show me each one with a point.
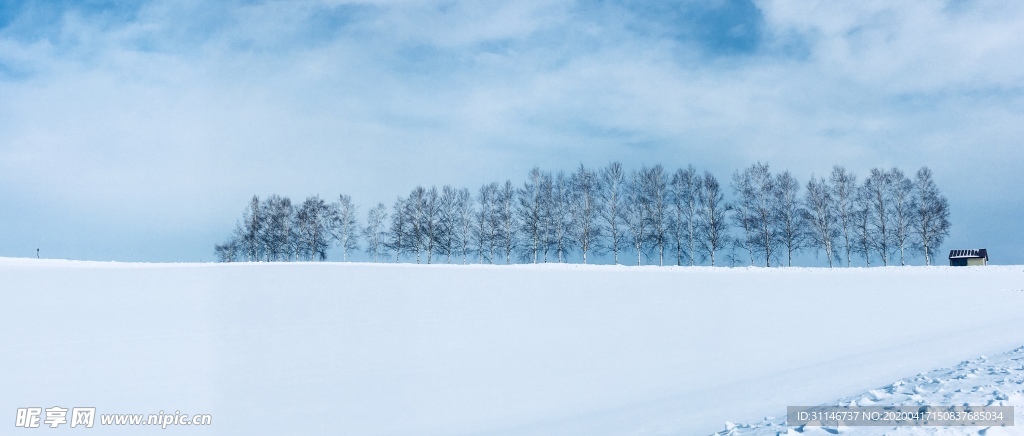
(406, 349)
(983, 381)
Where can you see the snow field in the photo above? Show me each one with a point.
(307, 348)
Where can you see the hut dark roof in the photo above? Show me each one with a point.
(968, 254)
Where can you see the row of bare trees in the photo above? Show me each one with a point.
(678, 217)
(276, 230)
(888, 214)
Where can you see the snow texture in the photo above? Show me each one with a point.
(333, 348)
(983, 381)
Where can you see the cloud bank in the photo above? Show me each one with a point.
(138, 132)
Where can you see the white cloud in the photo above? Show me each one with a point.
(186, 109)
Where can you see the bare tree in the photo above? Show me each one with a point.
(584, 207)
(531, 214)
(547, 190)
(712, 225)
(743, 210)
(253, 226)
(399, 232)
(445, 242)
(375, 232)
(345, 226)
(464, 206)
(416, 235)
(791, 215)
(430, 220)
(264, 236)
(863, 234)
(758, 211)
(654, 183)
(314, 221)
(505, 216)
(227, 252)
(295, 244)
(558, 217)
(732, 258)
(483, 222)
(878, 189)
(821, 214)
(286, 236)
(612, 197)
(683, 206)
(230, 250)
(424, 211)
(276, 230)
(932, 221)
(901, 195)
(494, 223)
(636, 213)
(844, 194)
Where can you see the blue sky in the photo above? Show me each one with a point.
(138, 130)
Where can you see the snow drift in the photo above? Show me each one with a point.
(328, 348)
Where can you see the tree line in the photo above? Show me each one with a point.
(680, 217)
